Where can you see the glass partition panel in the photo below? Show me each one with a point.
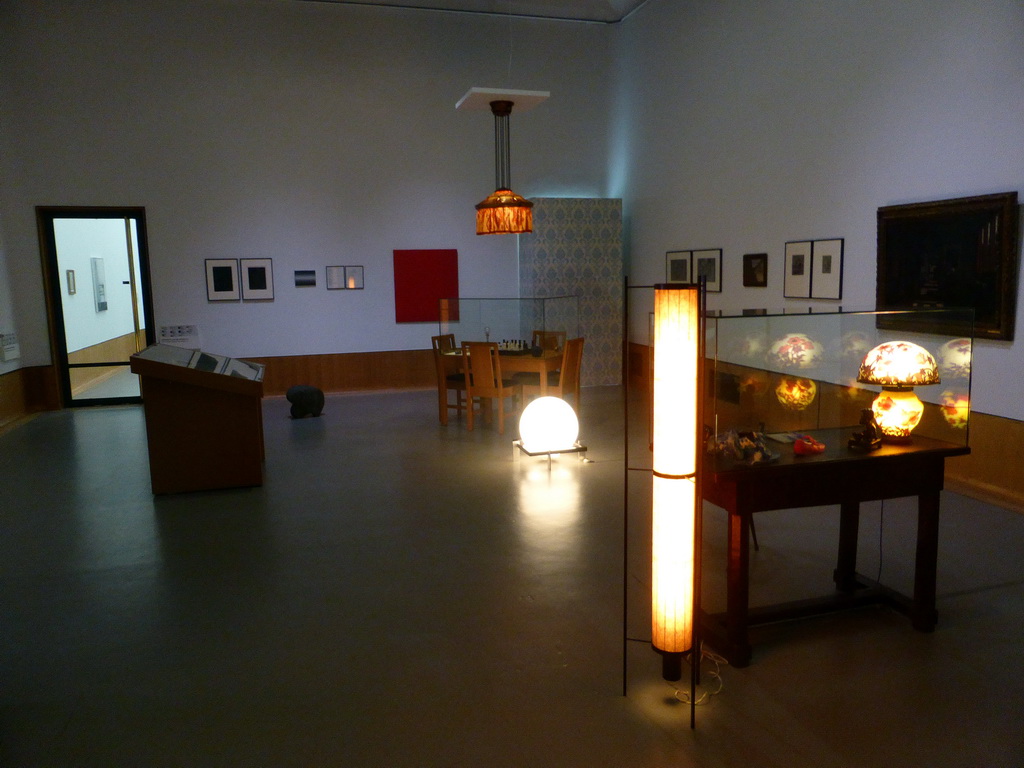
(505, 320)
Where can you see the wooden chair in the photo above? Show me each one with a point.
(548, 339)
(561, 383)
(449, 377)
(482, 367)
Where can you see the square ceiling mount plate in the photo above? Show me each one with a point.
(481, 98)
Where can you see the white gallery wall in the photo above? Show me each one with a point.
(314, 134)
(319, 134)
(742, 125)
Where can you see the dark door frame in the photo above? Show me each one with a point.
(45, 216)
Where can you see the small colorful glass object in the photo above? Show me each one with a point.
(805, 445)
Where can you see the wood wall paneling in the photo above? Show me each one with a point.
(399, 369)
(12, 397)
(120, 349)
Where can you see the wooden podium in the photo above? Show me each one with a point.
(204, 419)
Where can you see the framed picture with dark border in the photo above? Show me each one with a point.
(222, 280)
(755, 270)
(962, 252)
(797, 282)
(679, 266)
(257, 279)
(827, 269)
(708, 264)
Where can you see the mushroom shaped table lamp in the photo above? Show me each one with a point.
(898, 367)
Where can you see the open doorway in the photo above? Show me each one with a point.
(99, 300)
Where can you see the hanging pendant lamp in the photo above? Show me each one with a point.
(503, 212)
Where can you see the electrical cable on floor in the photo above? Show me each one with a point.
(714, 674)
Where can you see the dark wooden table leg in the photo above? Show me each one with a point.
(738, 589)
(923, 615)
(845, 575)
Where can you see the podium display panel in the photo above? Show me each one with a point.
(204, 419)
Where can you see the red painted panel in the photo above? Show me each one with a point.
(422, 279)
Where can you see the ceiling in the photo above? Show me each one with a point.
(603, 11)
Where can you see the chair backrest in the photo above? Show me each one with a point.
(446, 364)
(443, 343)
(482, 365)
(548, 339)
(572, 361)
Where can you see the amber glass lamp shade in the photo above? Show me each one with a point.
(898, 366)
(503, 212)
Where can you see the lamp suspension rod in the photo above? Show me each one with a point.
(502, 162)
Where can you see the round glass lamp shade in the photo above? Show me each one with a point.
(955, 358)
(898, 364)
(548, 425)
(795, 350)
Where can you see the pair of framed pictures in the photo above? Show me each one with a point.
(690, 266)
(338, 278)
(814, 269)
(234, 279)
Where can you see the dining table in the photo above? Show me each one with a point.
(525, 361)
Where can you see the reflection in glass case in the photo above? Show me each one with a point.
(788, 373)
(501, 320)
(781, 373)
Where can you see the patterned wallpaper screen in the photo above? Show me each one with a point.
(576, 250)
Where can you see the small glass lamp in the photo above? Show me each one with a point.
(548, 425)
(898, 367)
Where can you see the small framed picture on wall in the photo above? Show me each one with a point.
(827, 269)
(257, 279)
(679, 266)
(755, 270)
(797, 283)
(708, 264)
(222, 280)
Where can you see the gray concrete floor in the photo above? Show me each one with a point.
(400, 593)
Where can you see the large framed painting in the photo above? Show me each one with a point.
(958, 253)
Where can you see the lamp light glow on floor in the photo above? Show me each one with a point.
(676, 457)
(898, 366)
